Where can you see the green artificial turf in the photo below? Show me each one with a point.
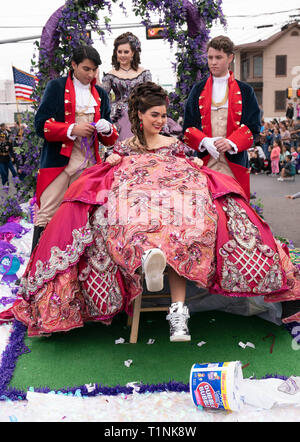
(90, 355)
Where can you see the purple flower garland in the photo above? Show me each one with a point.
(68, 27)
(14, 349)
(191, 40)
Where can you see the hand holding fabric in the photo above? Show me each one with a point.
(113, 159)
(224, 145)
(198, 161)
(81, 130)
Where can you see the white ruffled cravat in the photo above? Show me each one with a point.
(218, 94)
(85, 102)
(219, 90)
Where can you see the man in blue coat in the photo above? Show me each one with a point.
(74, 116)
(222, 116)
(221, 121)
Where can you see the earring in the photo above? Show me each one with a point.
(141, 125)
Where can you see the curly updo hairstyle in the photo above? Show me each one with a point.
(135, 46)
(143, 97)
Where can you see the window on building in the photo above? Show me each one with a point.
(281, 62)
(245, 69)
(280, 101)
(257, 66)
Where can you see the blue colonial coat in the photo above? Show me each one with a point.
(53, 118)
(243, 123)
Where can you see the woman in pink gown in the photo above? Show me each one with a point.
(151, 194)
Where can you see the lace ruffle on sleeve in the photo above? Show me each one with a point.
(106, 83)
(147, 75)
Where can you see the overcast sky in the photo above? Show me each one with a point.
(22, 19)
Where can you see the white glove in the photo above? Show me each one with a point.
(208, 144)
(103, 126)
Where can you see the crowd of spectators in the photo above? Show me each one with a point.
(277, 151)
(10, 137)
(281, 136)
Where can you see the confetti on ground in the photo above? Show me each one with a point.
(201, 343)
(246, 365)
(151, 341)
(290, 386)
(135, 385)
(128, 362)
(90, 387)
(270, 335)
(248, 344)
(120, 341)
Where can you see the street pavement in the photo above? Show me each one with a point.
(282, 214)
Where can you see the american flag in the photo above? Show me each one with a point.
(24, 84)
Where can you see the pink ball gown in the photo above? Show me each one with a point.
(86, 265)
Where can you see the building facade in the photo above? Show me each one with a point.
(9, 109)
(271, 66)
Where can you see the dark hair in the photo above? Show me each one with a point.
(221, 43)
(284, 124)
(135, 46)
(278, 142)
(143, 97)
(82, 52)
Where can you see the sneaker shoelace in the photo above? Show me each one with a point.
(178, 319)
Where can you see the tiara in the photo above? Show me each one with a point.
(135, 42)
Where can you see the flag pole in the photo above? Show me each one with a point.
(26, 83)
(19, 119)
(18, 110)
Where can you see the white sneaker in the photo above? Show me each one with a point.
(153, 266)
(178, 318)
(280, 179)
